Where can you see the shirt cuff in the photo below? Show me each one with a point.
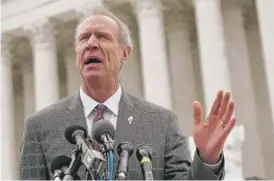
(214, 168)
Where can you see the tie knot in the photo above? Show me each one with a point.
(100, 109)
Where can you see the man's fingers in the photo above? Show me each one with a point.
(197, 112)
(229, 112)
(211, 118)
(228, 128)
(217, 102)
(224, 105)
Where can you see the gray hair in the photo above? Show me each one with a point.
(125, 38)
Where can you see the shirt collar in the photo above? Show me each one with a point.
(112, 103)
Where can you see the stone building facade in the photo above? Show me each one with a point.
(184, 50)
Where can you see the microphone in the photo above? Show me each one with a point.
(125, 151)
(144, 156)
(75, 132)
(58, 166)
(74, 165)
(93, 160)
(103, 132)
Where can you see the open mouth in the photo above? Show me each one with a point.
(92, 60)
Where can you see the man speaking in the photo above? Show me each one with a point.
(103, 45)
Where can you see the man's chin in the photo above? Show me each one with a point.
(92, 75)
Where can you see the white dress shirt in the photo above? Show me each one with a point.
(111, 113)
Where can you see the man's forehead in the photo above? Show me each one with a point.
(99, 22)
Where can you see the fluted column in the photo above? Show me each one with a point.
(73, 75)
(153, 52)
(214, 67)
(45, 64)
(265, 15)
(8, 156)
(243, 89)
(181, 66)
(27, 72)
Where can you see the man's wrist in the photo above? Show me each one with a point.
(209, 159)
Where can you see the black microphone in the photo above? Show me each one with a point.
(144, 156)
(74, 166)
(103, 132)
(93, 160)
(58, 166)
(75, 132)
(125, 151)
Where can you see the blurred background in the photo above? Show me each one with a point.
(184, 50)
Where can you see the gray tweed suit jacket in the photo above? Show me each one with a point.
(44, 139)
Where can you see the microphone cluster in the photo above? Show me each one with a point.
(99, 164)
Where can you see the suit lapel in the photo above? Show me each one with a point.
(128, 119)
(76, 112)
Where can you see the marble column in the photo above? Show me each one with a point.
(8, 156)
(265, 13)
(181, 66)
(242, 88)
(214, 66)
(73, 75)
(153, 52)
(27, 72)
(264, 123)
(45, 65)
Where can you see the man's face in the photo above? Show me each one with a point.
(99, 51)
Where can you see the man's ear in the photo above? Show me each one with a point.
(126, 53)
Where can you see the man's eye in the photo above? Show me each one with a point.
(101, 36)
(83, 37)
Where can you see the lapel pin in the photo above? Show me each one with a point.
(130, 119)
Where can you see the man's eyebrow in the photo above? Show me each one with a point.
(86, 30)
(104, 31)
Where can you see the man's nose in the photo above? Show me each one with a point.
(93, 42)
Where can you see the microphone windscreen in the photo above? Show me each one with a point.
(143, 151)
(59, 162)
(74, 130)
(125, 146)
(101, 127)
